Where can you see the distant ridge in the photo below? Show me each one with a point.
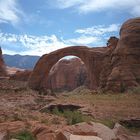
(21, 61)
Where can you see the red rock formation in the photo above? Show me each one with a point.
(125, 59)
(67, 75)
(112, 42)
(88, 55)
(116, 69)
(21, 75)
(2, 65)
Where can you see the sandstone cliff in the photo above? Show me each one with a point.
(125, 59)
(67, 75)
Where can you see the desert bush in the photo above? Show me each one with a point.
(134, 90)
(24, 135)
(72, 117)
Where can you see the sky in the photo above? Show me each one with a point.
(37, 27)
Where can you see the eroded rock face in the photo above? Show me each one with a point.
(2, 65)
(67, 75)
(115, 67)
(125, 58)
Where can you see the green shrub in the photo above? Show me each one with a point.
(72, 117)
(24, 135)
(56, 111)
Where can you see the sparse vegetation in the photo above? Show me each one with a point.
(24, 135)
(72, 117)
(106, 108)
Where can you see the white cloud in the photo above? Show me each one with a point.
(136, 10)
(99, 30)
(85, 6)
(10, 12)
(39, 45)
(83, 40)
(31, 45)
(7, 51)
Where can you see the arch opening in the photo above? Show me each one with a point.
(47, 61)
(67, 74)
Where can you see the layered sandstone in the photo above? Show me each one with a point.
(67, 75)
(125, 59)
(115, 67)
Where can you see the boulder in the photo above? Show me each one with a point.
(123, 134)
(90, 131)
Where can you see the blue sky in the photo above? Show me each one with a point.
(35, 27)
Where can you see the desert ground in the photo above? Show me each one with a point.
(24, 109)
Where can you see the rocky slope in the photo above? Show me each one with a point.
(21, 112)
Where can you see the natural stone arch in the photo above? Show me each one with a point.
(116, 67)
(47, 61)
